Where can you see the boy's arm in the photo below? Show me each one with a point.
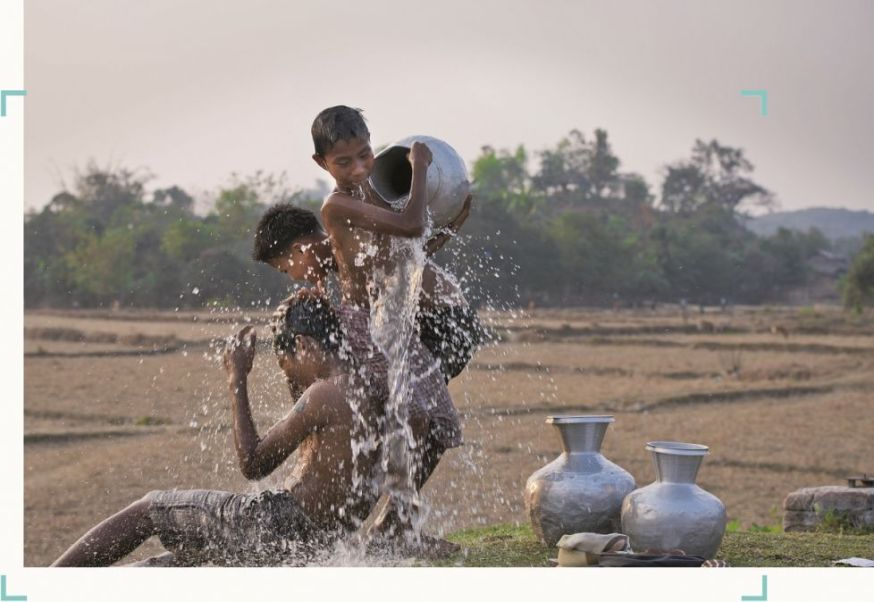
(340, 209)
(435, 243)
(259, 457)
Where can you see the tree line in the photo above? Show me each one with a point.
(562, 226)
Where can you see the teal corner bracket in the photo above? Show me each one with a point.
(4, 596)
(3, 95)
(763, 98)
(761, 597)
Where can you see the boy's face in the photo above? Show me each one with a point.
(349, 162)
(304, 365)
(301, 262)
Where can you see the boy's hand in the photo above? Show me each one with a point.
(420, 153)
(455, 225)
(451, 229)
(240, 353)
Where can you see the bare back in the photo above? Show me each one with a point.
(322, 478)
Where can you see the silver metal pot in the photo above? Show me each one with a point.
(674, 512)
(448, 183)
(581, 490)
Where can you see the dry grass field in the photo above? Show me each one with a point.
(120, 403)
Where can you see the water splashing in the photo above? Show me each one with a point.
(392, 323)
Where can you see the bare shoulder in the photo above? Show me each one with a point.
(322, 391)
(324, 397)
(337, 200)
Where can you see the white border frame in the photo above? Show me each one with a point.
(352, 584)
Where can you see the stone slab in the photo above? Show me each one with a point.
(805, 508)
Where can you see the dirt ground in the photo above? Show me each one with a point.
(119, 403)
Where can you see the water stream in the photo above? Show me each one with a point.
(393, 328)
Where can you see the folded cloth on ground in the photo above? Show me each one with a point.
(595, 543)
(583, 549)
(855, 561)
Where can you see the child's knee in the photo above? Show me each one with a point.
(145, 503)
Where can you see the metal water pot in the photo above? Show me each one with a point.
(447, 186)
(581, 490)
(674, 512)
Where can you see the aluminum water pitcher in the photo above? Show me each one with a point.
(581, 490)
(448, 183)
(674, 512)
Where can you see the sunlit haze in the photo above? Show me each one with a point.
(195, 90)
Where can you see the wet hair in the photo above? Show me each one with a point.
(335, 124)
(310, 316)
(280, 227)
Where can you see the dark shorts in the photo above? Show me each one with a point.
(452, 333)
(201, 526)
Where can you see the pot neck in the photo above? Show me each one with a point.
(581, 437)
(671, 468)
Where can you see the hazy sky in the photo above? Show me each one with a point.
(196, 89)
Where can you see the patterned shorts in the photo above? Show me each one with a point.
(226, 528)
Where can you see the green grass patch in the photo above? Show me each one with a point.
(499, 545)
(512, 546)
(151, 421)
(834, 521)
